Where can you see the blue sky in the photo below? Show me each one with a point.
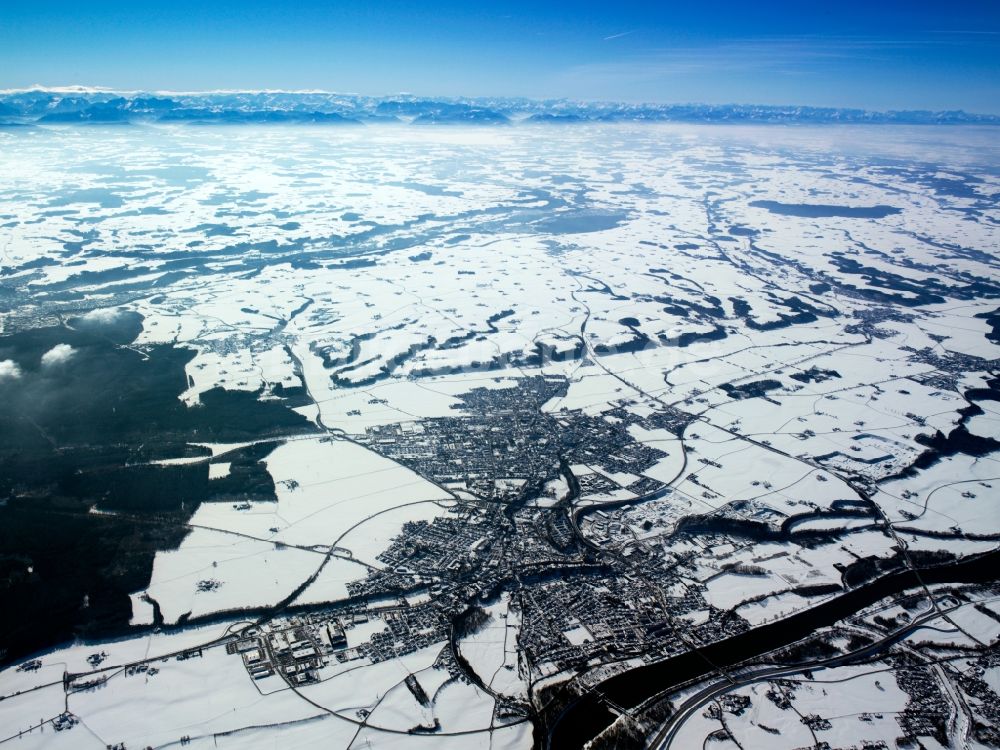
(878, 54)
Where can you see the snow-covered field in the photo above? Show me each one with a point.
(779, 322)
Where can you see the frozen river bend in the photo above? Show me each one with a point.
(448, 436)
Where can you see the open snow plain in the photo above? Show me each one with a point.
(499, 436)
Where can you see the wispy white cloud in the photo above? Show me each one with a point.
(619, 35)
(9, 370)
(959, 32)
(58, 355)
(788, 55)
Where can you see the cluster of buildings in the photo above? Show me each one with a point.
(407, 630)
(64, 721)
(951, 362)
(504, 445)
(595, 616)
(928, 710)
(294, 650)
(447, 544)
(504, 442)
(985, 701)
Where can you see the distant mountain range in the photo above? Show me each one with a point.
(78, 105)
